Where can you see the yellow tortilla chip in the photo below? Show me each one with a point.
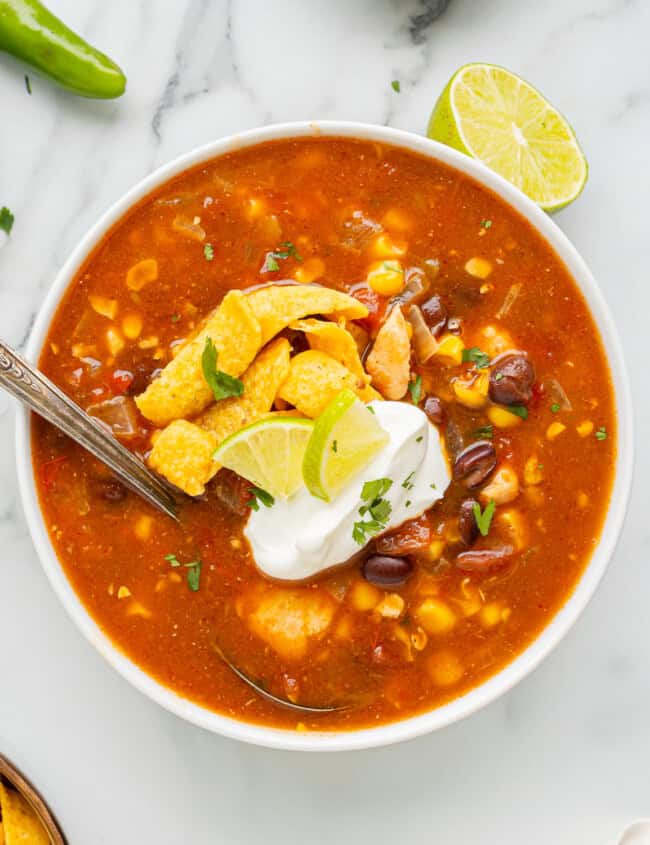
(360, 335)
(276, 306)
(180, 390)
(21, 824)
(261, 383)
(315, 379)
(182, 453)
(334, 341)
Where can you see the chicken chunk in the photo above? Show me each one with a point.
(389, 360)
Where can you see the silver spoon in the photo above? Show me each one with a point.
(36, 391)
(275, 699)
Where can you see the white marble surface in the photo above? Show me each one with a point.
(565, 757)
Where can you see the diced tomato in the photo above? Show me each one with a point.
(375, 304)
(49, 471)
(411, 537)
(121, 380)
(538, 394)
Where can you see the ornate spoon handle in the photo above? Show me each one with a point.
(36, 391)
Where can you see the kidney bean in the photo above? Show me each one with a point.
(435, 314)
(112, 491)
(475, 464)
(511, 380)
(467, 527)
(385, 571)
(434, 410)
(480, 560)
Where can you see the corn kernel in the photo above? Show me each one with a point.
(585, 428)
(142, 528)
(386, 278)
(535, 496)
(472, 395)
(495, 341)
(132, 326)
(445, 668)
(503, 486)
(111, 589)
(436, 548)
(506, 613)
(502, 418)
(137, 609)
(428, 585)
(123, 593)
(451, 347)
(435, 616)
(255, 208)
(114, 341)
(480, 268)
(174, 577)
(383, 246)
(397, 219)
(514, 525)
(582, 500)
(391, 606)
(55, 348)
(141, 274)
(364, 596)
(235, 543)
(419, 639)
(490, 615)
(343, 630)
(486, 287)
(103, 306)
(301, 727)
(554, 430)
(148, 342)
(82, 350)
(312, 269)
(533, 471)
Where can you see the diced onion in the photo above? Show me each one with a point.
(558, 395)
(119, 415)
(423, 342)
(509, 301)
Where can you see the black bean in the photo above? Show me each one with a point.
(384, 571)
(142, 376)
(112, 491)
(475, 464)
(435, 314)
(511, 380)
(434, 410)
(467, 527)
(454, 439)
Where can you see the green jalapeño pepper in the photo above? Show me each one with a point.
(33, 34)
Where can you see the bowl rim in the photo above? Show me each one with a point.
(557, 627)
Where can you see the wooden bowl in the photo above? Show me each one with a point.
(15, 778)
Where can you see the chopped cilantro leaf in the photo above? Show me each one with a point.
(601, 434)
(193, 570)
(484, 431)
(208, 252)
(485, 224)
(476, 356)
(498, 376)
(396, 86)
(407, 484)
(555, 407)
(378, 509)
(286, 250)
(173, 560)
(259, 495)
(270, 264)
(518, 410)
(419, 439)
(221, 384)
(484, 519)
(335, 446)
(175, 318)
(372, 490)
(407, 504)
(28, 84)
(415, 389)
(6, 220)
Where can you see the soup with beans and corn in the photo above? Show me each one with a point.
(488, 336)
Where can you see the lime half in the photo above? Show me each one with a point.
(495, 116)
(268, 453)
(345, 438)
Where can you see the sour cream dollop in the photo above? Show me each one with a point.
(301, 536)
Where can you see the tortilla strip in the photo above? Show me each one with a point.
(276, 306)
(315, 379)
(21, 824)
(335, 341)
(183, 451)
(180, 390)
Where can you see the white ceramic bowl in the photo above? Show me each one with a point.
(557, 627)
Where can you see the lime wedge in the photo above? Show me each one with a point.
(268, 453)
(345, 438)
(495, 116)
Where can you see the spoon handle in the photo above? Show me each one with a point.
(36, 391)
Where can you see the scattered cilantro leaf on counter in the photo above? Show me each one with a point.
(208, 252)
(484, 519)
(395, 85)
(6, 220)
(601, 434)
(221, 384)
(476, 356)
(518, 410)
(415, 389)
(258, 495)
